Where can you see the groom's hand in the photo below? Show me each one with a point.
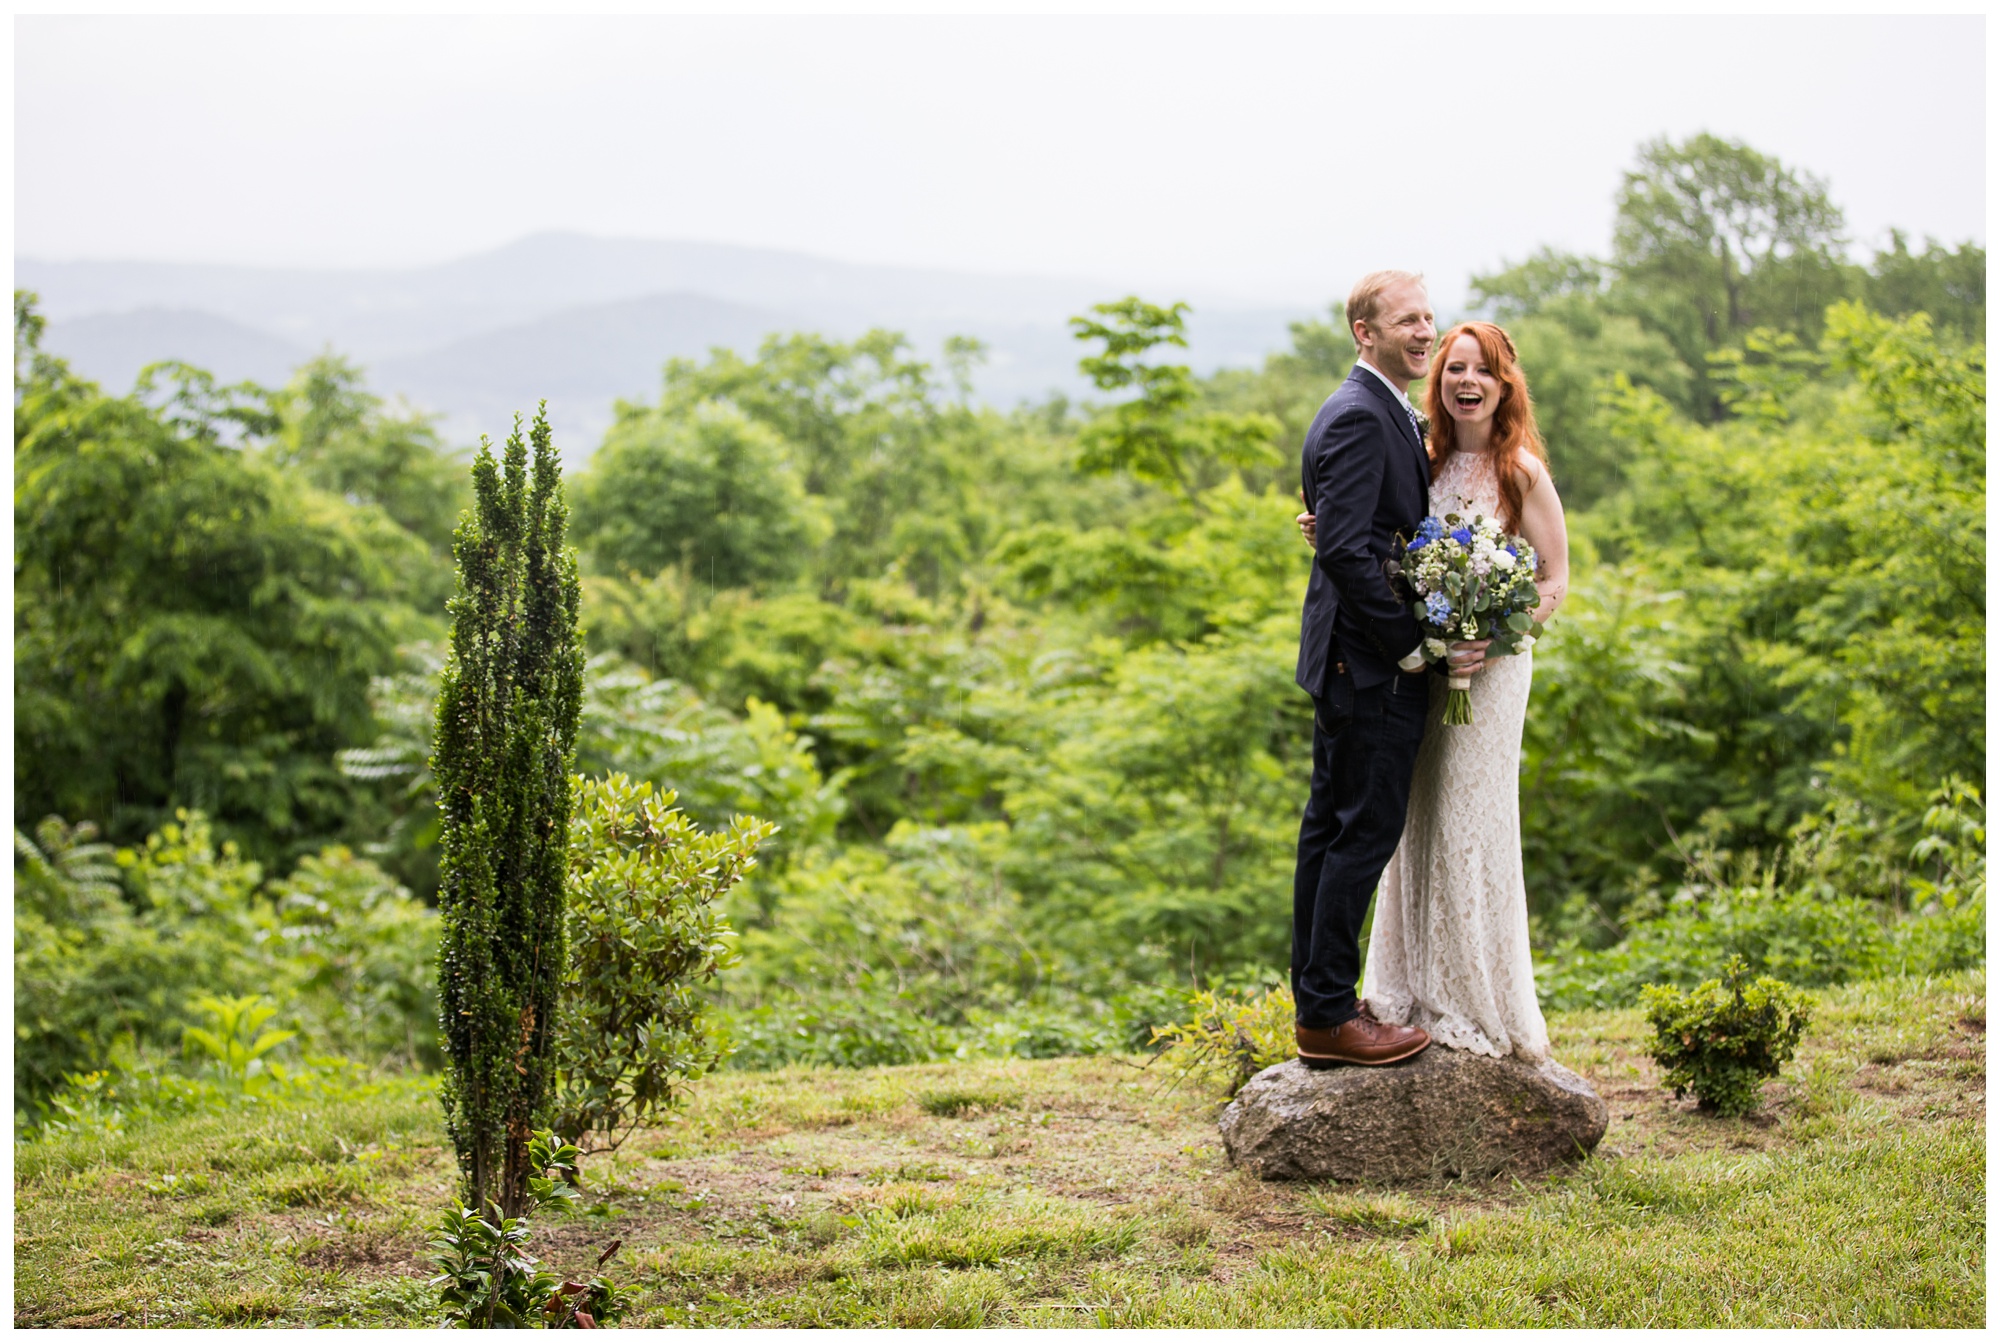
(1308, 530)
(1466, 656)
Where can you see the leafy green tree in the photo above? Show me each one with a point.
(193, 627)
(710, 492)
(1786, 612)
(506, 731)
(340, 438)
(1290, 387)
(1948, 283)
(1547, 276)
(1713, 238)
(1151, 795)
(865, 432)
(1163, 811)
(1166, 576)
(1903, 614)
(1162, 434)
(718, 766)
(1571, 349)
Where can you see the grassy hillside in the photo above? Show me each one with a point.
(1084, 1192)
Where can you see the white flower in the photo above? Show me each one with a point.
(1502, 560)
(1434, 648)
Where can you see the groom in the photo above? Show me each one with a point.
(1366, 477)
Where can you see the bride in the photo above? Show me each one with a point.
(1449, 951)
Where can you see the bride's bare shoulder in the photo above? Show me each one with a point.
(1534, 473)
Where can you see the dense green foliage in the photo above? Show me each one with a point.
(111, 948)
(194, 625)
(1781, 618)
(1721, 1039)
(1014, 687)
(1796, 915)
(709, 494)
(507, 711)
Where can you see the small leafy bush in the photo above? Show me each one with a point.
(234, 1043)
(1720, 1040)
(488, 1278)
(1230, 1037)
(646, 935)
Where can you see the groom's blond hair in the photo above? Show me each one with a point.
(1364, 301)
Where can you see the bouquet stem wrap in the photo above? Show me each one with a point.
(1458, 704)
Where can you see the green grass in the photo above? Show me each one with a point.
(1083, 1192)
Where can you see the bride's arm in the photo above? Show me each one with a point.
(1542, 525)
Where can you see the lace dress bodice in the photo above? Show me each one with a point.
(1466, 484)
(1449, 949)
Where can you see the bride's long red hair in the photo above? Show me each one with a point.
(1516, 437)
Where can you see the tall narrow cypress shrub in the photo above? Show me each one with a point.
(506, 731)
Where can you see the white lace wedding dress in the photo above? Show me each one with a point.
(1449, 951)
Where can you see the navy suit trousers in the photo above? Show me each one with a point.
(1364, 753)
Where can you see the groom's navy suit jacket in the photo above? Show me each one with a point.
(1366, 478)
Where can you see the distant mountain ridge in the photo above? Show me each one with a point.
(580, 320)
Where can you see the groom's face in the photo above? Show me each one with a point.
(1398, 340)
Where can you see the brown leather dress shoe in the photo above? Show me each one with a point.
(1362, 1040)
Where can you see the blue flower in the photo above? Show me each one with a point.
(1438, 607)
(1463, 536)
(1420, 542)
(1430, 529)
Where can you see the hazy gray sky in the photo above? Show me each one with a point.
(1268, 158)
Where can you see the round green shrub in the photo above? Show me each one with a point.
(1723, 1037)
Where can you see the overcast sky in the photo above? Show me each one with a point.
(1268, 159)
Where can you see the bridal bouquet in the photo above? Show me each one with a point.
(1472, 581)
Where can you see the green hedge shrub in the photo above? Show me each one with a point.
(646, 935)
(1720, 1040)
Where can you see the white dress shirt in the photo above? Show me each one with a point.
(1401, 395)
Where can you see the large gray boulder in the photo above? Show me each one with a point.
(1443, 1113)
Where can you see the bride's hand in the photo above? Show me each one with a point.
(1308, 530)
(1467, 656)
